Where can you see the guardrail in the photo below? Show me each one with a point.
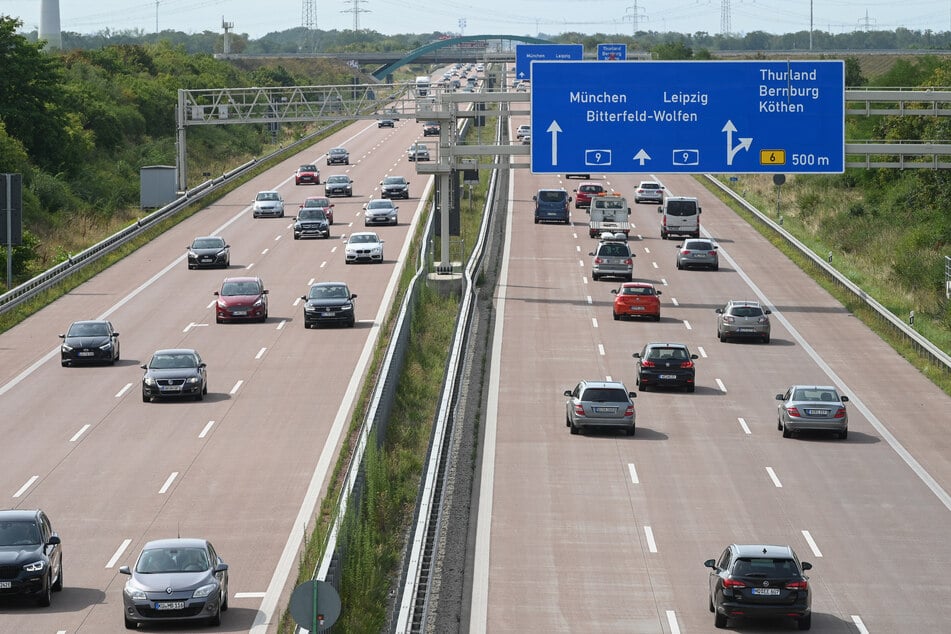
(920, 343)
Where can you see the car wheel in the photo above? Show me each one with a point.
(352, 323)
(595, 277)
(843, 435)
(575, 430)
(130, 625)
(766, 339)
(779, 424)
(64, 363)
(536, 221)
(716, 267)
(663, 235)
(786, 432)
(224, 601)
(710, 603)
(617, 317)
(215, 621)
(45, 599)
(58, 584)
(641, 387)
(200, 396)
(805, 622)
(657, 317)
(679, 265)
(691, 388)
(631, 430)
(146, 398)
(296, 237)
(719, 621)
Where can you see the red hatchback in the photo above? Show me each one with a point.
(307, 175)
(585, 191)
(241, 299)
(637, 299)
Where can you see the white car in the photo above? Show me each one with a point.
(268, 203)
(364, 246)
(523, 131)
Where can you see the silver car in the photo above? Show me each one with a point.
(812, 408)
(600, 404)
(268, 203)
(649, 192)
(613, 258)
(176, 581)
(697, 252)
(741, 319)
(380, 211)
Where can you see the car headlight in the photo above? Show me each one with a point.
(220, 253)
(192, 379)
(36, 566)
(149, 381)
(67, 348)
(259, 303)
(192, 254)
(347, 306)
(205, 590)
(221, 304)
(135, 593)
(106, 346)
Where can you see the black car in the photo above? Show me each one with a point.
(210, 251)
(311, 222)
(338, 155)
(756, 580)
(394, 187)
(386, 123)
(31, 556)
(93, 341)
(431, 128)
(338, 185)
(329, 303)
(177, 580)
(175, 372)
(665, 365)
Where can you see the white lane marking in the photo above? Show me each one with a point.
(672, 622)
(687, 325)
(721, 386)
(280, 326)
(663, 281)
(601, 349)
(237, 386)
(646, 250)
(297, 301)
(774, 478)
(115, 557)
(249, 267)
(311, 281)
(264, 252)
(673, 300)
(248, 595)
(278, 237)
(26, 486)
(260, 353)
(168, 482)
(333, 249)
(323, 264)
(703, 353)
(812, 544)
(212, 304)
(60, 631)
(82, 430)
(633, 472)
(588, 299)
(854, 400)
(580, 262)
(654, 264)
(859, 625)
(651, 544)
(206, 429)
(125, 389)
(578, 248)
(608, 378)
(574, 235)
(594, 322)
(584, 279)
(746, 429)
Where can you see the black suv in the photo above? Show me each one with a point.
(31, 556)
(757, 580)
(667, 365)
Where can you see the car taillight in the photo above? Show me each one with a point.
(579, 409)
(598, 260)
(727, 319)
(711, 252)
(629, 261)
(792, 411)
(797, 585)
(733, 583)
(840, 413)
(687, 364)
(647, 363)
(629, 411)
(685, 252)
(763, 320)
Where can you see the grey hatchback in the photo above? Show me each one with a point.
(696, 252)
(600, 404)
(743, 319)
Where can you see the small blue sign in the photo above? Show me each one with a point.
(612, 52)
(525, 54)
(721, 117)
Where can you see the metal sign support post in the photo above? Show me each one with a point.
(9, 187)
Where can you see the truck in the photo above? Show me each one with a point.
(608, 214)
(422, 86)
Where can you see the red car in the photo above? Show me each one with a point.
(637, 299)
(585, 191)
(241, 299)
(320, 201)
(307, 175)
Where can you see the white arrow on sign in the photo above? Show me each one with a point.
(554, 128)
(642, 156)
(731, 151)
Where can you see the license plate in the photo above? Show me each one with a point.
(86, 353)
(206, 259)
(326, 314)
(6, 584)
(767, 592)
(637, 308)
(239, 313)
(744, 330)
(169, 605)
(668, 376)
(817, 412)
(605, 410)
(170, 388)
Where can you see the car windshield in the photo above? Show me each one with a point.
(394, 180)
(338, 150)
(312, 213)
(19, 533)
(311, 203)
(551, 196)
(329, 292)
(764, 567)
(667, 353)
(165, 560)
(89, 330)
(638, 290)
(379, 204)
(208, 243)
(698, 246)
(681, 208)
(230, 289)
(590, 189)
(339, 179)
(308, 168)
(614, 250)
(650, 186)
(605, 395)
(268, 196)
(815, 394)
(171, 361)
(363, 238)
(746, 311)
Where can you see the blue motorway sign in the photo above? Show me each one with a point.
(525, 54)
(689, 117)
(612, 52)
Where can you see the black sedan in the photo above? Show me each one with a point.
(759, 580)
(329, 303)
(93, 341)
(31, 556)
(210, 251)
(176, 580)
(175, 372)
(394, 187)
(665, 365)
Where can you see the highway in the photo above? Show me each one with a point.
(607, 533)
(245, 467)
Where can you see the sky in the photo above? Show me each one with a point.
(256, 18)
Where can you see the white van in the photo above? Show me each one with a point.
(681, 217)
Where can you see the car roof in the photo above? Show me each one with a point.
(241, 279)
(756, 550)
(208, 237)
(268, 191)
(665, 344)
(175, 351)
(180, 542)
(813, 387)
(608, 384)
(742, 302)
(365, 233)
(90, 321)
(583, 183)
(648, 183)
(18, 514)
(637, 285)
(337, 177)
(328, 284)
(317, 198)
(338, 149)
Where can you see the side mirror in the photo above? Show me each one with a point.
(303, 297)
(806, 566)
(660, 210)
(844, 399)
(265, 291)
(54, 539)
(710, 563)
(632, 394)
(636, 355)
(779, 397)
(590, 252)
(628, 211)
(719, 311)
(124, 570)
(62, 336)
(115, 334)
(567, 392)
(353, 295)
(144, 367)
(658, 293)
(767, 311)
(693, 356)
(216, 293)
(614, 291)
